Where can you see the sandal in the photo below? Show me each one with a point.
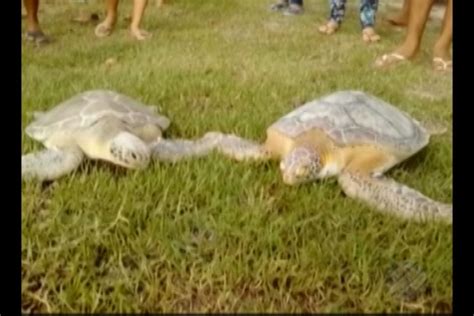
(369, 35)
(328, 28)
(37, 37)
(102, 30)
(439, 64)
(389, 60)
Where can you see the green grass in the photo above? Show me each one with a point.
(211, 234)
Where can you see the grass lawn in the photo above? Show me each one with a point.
(212, 234)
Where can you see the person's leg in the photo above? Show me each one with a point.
(419, 12)
(295, 7)
(297, 2)
(32, 23)
(138, 10)
(401, 19)
(441, 53)
(368, 11)
(279, 5)
(33, 29)
(106, 27)
(337, 9)
(23, 12)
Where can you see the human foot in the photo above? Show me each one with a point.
(369, 35)
(442, 65)
(397, 20)
(328, 28)
(388, 60)
(140, 34)
(103, 29)
(279, 6)
(37, 37)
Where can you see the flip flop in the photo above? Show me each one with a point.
(439, 64)
(102, 30)
(389, 60)
(37, 37)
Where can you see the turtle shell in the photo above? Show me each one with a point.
(84, 109)
(356, 118)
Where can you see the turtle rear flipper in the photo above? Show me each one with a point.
(389, 196)
(434, 128)
(50, 164)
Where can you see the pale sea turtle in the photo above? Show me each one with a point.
(352, 135)
(106, 125)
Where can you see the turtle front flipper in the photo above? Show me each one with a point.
(389, 196)
(50, 164)
(174, 150)
(239, 148)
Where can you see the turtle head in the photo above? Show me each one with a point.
(302, 164)
(129, 151)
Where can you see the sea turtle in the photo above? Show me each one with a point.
(352, 135)
(106, 125)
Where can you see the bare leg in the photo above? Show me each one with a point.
(32, 23)
(138, 10)
(441, 54)
(419, 12)
(33, 29)
(23, 12)
(401, 19)
(106, 27)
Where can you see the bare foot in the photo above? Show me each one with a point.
(140, 34)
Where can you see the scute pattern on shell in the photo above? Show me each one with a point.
(86, 108)
(354, 117)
